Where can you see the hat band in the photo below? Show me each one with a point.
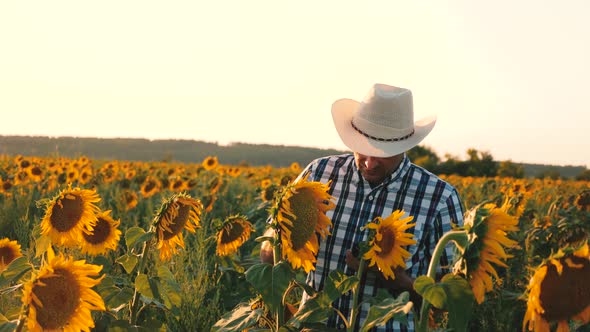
(395, 139)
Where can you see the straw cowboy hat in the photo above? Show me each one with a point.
(382, 125)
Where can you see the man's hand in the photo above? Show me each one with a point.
(266, 250)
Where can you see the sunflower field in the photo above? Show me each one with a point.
(108, 245)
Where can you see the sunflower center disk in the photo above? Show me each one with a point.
(7, 255)
(60, 297)
(305, 209)
(387, 242)
(232, 233)
(178, 223)
(65, 216)
(100, 233)
(563, 296)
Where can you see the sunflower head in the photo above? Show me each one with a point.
(129, 199)
(178, 212)
(69, 214)
(582, 201)
(210, 163)
(387, 242)
(150, 187)
(60, 295)
(104, 236)
(9, 251)
(300, 211)
(488, 227)
(559, 291)
(235, 231)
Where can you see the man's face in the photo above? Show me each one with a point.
(375, 169)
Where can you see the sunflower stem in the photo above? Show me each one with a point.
(21, 319)
(351, 324)
(134, 314)
(459, 238)
(277, 258)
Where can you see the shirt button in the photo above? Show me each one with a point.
(341, 326)
(371, 198)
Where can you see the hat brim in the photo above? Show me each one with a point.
(342, 112)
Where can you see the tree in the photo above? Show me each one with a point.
(584, 176)
(510, 169)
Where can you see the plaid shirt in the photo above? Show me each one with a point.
(432, 202)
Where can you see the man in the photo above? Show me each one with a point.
(375, 180)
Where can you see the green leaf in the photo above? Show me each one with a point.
(460, 301)
(136, 235)
(128, 262)
(338, 284)
(388, 308)
(271, 282)
(169, 288)
(314, 310)
(8, 326)
(317, 308)
(430, 291)
(14, 271)
(242, 317)
(453, 293)
(41, 244)
(116, 298)
(165, 274)
(147, 287)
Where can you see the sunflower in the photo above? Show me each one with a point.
(178, 212)
(385, 249)
(60, 296)
(214, 185)
(177, 184)
(5, 186)
(68, 214)
(487, 232)
(582, 201)
(210, 163)
(130, 199)
(265, 183)
(559, 291)
(85, 175)
(301, 215)
(150, 187)
(35, 173)
(72, 174)
(104, 236)
(208, 202)
(234, 232)
(295, 167)
(9, 251)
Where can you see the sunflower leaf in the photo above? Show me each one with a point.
(239, 319)
(136, 235)
(171, 289)
(8, 326)
(147, 287)
(270, 281)
(338, 284)
(389, 308)
(461, 301)
(128, 262)
(14, 271)
(430, 291)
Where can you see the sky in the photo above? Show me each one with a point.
(510, 78)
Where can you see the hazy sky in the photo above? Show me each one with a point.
(507, 77)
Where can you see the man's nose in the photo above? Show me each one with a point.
(370, 163)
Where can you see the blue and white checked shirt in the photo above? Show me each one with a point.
(432, 202)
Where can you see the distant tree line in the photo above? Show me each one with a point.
(477, 163)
